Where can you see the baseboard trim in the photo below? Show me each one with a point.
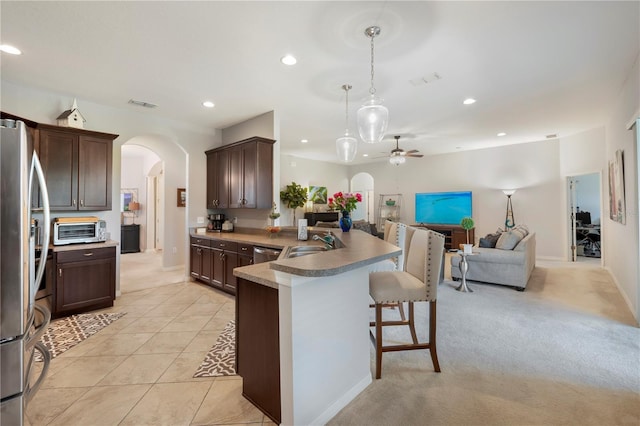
(624, 295)
(343, 401)
(172, 268)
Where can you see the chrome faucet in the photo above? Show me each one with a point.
(328, 239)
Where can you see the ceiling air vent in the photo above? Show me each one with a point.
(142, 103)
(552, 136)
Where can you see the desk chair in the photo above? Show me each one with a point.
(418, 282)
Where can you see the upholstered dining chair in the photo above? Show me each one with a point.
(399, 235)
(418, 282)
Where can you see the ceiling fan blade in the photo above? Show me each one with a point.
(413, 151)
(415, 155)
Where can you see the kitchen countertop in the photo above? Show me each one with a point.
(360, 249)
(89, 246)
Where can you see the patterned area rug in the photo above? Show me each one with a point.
(65, 333)
(221, 359)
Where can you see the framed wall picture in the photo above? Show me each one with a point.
(617, 208)
(182, 197)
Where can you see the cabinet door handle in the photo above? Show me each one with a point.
(59, 272)
(251, 261)
(88, 254)
(81, 203)
(74, 203)
(243, 249)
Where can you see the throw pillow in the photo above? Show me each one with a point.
(508, 240)
(362, 225)
(490, 240)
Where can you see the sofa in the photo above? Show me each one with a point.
(504, 266)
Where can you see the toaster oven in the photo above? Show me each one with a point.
(72, 230)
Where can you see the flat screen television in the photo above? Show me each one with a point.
(443, 208)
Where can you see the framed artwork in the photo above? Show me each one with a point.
(318, 194)
(127, 196)
(617, 209)
(182, 197)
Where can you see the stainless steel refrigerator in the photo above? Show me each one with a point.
(22, 322)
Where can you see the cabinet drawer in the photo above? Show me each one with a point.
(245, 249)
(85, 254)
(205, 242)
(224, 245)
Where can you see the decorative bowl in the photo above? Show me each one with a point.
(272, 230)
(390, 203)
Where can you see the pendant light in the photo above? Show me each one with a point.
(373, 117)
(347, 145)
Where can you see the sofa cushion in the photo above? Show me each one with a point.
(489, 240)
(509, 239)
(362, 225)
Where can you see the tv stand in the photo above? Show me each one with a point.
(454, 235)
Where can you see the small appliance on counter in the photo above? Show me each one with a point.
(215, 222)
(227, 226)
(72, 230)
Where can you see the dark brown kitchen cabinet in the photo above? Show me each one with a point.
(77, 165)
(85, 280)
(240, 175)
(201, 259)
(245, 254)
(213, 261)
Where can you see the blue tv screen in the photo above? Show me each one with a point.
(443, 208)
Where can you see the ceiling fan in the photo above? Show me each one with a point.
(398, 155)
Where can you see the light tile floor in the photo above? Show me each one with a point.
(138, 370)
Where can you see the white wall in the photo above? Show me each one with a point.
(532, 168)
(621, 241)
(309, 172)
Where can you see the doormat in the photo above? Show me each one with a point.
(221, 358)
(64, 333)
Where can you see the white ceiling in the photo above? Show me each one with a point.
(536, 68)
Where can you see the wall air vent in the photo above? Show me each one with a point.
(142, 103)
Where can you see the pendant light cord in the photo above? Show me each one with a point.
(372, 90)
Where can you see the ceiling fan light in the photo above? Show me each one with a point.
(397, 160)
(347, 147)
(373, 118)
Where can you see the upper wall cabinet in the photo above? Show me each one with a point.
(77, 166)
(240, 175)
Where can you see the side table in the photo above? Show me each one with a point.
(464, 267)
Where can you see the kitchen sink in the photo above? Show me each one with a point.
(298, 251)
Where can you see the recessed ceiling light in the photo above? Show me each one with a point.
(208, 104)
(10, 49)
(304, 141)
(365, 155)
(502, 134)
(288, 60)
(469, 101)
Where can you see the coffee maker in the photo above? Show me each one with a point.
(215, 222)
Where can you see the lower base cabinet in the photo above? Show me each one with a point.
(213, 261)
(85, 280)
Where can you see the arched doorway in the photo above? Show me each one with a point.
(157, 166)
(363, 183)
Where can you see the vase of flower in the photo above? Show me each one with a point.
(345, 221)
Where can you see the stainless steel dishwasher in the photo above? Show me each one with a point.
(264, 254)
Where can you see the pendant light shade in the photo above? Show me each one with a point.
(373, 117)
(347, 145)
(397, 160)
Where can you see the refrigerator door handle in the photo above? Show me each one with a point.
(46, 357)
(46, 216)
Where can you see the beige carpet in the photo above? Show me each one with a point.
(565, 351)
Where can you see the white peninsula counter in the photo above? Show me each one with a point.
(302, 329)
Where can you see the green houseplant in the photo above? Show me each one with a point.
(294, 196)
(467, 224)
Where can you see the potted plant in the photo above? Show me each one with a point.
(294, 196)
(467, 224)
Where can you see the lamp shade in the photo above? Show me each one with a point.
(346, 147)
(508, 192)
(373, 118)
(134, 206)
